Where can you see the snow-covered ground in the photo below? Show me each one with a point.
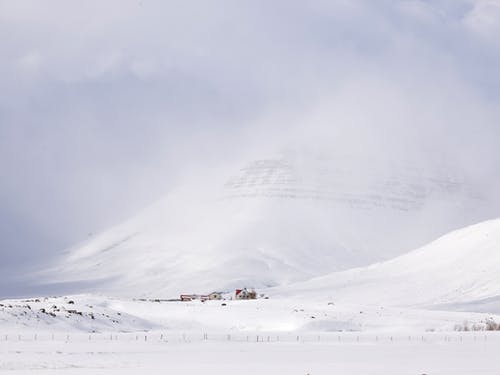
(83, 334)
(339, 354)
(84, 313)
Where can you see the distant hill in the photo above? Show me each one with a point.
(458, 271)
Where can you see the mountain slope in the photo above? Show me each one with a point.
(460, 269)
(275, 222)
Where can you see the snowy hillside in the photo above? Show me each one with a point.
(274, 222)
(458, 271)
(93, 313)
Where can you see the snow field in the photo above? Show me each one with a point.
(353, 353)
(88, 314)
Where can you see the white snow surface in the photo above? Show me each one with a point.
(101, 314)
(436, 355)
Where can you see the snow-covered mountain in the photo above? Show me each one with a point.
(276, 221)
(452, 283)
(457, 271)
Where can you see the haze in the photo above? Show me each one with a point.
(106, 107)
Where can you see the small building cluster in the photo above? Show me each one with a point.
(245, 294)
(202, 297)
(239, 294)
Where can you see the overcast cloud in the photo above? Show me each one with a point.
(107, 105)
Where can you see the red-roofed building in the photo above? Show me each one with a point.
(245, 294)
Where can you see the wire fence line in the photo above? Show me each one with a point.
(257, 337)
